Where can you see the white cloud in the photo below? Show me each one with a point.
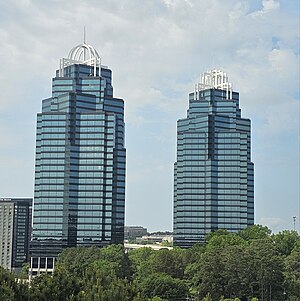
(268, 6)
(276, 224)
(285, 63)
(156, 50)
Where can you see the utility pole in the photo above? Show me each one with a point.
(294, 222)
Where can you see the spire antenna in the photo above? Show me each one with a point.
(83, 34)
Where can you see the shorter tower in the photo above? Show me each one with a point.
(15, 231)
(213, 173)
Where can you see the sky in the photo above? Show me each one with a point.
(157, 50)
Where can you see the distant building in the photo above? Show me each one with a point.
(213, 173)
(155, 247)
(132, 232)
(156, 238)
(15, 231)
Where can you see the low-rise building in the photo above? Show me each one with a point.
(156, 238)
(132, 232)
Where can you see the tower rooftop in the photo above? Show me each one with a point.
(214, 79)
(84, 53)
(81, 54)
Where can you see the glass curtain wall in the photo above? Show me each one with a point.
(213, 174)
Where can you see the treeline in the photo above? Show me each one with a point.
(251, 265)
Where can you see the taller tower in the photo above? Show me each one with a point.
(79, 195)
(213, 174)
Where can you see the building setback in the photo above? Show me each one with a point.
(79, 195)
(213, 174)
(15, 231)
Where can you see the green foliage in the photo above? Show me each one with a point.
(207, 297)
(164, 286)
(9, 288)
(255, 232)
(285, 241)
(222, 241)
(219, 232)
(141, 262)
(7, 285)
(252, 265)
(24, 271)
(267, 269)
(292, 274)
(115, 289)
(156, 298)
(222, 269)
(138, 256)
(235, 268)
(115, 254)
(166, 243)
(76, 260)
(170, 262)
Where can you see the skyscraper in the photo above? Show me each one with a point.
(79, 195)
(213, 174)
(15, 231)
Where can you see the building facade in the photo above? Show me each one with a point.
(132, 232)
(15, 231)
(79, 195)
(213, 174)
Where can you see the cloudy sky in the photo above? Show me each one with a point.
(157, 49)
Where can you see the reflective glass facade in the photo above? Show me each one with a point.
(213, 174)
(79, 194)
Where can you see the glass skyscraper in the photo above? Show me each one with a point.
(79, 195)
(213, 174)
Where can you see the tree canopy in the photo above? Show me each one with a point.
(253, 264)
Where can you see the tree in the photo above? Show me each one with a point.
(255, 232)
(6, 285)
(115, 289)
(24, 271)
(76, 260)
(233, 267)
(229, 265)
(42, 287)
(194, 253)
(107, 278)
(285, 241)
(170, 262)
(219, 232)
(115, 254)
(266, 270)
(237, 271)
(210, 276)
(10, 289)
(141, 263)
(164, 286)
(221, 241)
(88, 274)
(207, 297)
(292, 274)
(222, 271)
